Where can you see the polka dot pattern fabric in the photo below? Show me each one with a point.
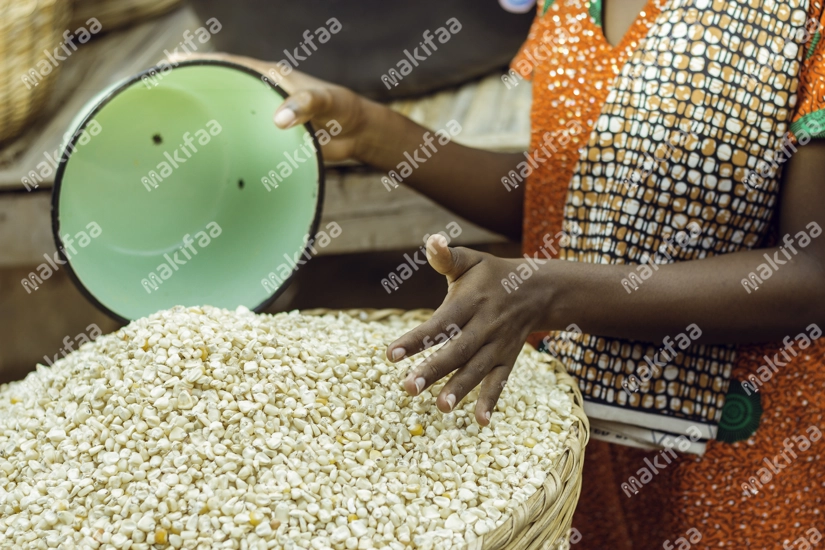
(580, 78)
(693, 106)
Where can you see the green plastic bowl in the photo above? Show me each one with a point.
(166, 193)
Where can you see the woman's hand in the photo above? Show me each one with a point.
(464, 180)
(493, 327)
(312, 100)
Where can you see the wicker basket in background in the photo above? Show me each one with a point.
(544, 520)
(27, 28)
(113, 14)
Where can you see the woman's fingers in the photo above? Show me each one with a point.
(304, 106)
(445, 324)
(466, 378)
(491, 388)
(450, 262)
(453, 355)
(454, 313)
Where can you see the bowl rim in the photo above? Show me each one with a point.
(102, 102)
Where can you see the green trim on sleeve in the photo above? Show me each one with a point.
(812, 124)
(546, 5)
(812, 47)
(595, 11)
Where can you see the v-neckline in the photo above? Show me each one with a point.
(641, 19)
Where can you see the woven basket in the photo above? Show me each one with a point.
(27, 28)
(117, 13)
(544, 520)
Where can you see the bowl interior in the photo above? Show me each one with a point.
(198, 196)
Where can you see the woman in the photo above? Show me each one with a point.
(674, 166)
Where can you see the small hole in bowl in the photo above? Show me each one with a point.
(157, 139)
(240, 184)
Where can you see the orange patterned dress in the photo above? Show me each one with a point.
(760, 483)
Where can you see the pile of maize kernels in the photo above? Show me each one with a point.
(207, 428)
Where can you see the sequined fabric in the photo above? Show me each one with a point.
(681, 125)
(734, 115)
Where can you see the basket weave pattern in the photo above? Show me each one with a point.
(117, 13)
(27, 28)
(544, 520)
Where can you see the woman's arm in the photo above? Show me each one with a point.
(464, 180)
(494, 321)
(709, 292)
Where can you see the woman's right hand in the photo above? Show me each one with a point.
(313, 100)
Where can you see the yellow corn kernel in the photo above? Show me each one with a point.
(555, 428)
(160, 536)
(352, 517)
(322, 401)
(530, 442)
(255, 518)
(15, 400)
(417, 429)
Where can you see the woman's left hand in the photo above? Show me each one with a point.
(487, 323)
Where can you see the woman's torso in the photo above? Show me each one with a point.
(659, 150)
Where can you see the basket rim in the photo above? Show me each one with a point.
(548, 513)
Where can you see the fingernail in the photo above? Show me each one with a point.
(285, 117)
(419, 385)
(450, 399)
(487, 415)
(398, 353)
